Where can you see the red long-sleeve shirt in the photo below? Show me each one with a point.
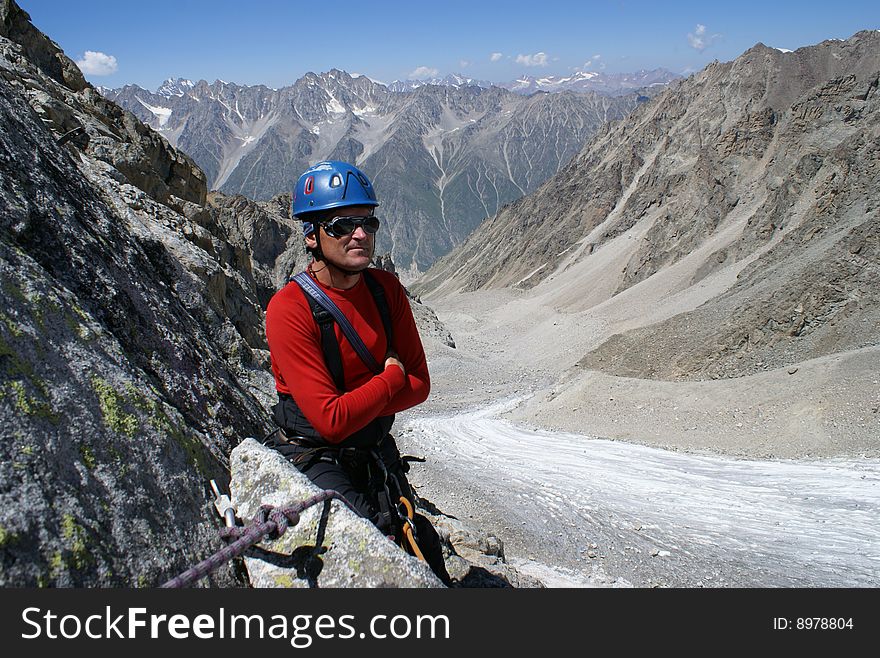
(300, 371)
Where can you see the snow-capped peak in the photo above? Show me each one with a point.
(172, 87)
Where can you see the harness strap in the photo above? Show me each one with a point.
(329, 344)
(325, 313)
(314, 291)
(382, 304)
(387, 509)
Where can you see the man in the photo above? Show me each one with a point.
(334, 410)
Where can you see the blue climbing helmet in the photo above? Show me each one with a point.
(330, 184)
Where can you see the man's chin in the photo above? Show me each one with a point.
(353, 264)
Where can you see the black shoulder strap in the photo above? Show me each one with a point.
(312, 289)
(329, 344)
(325, 321)
(378, 293)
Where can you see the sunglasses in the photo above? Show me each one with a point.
(340, 226)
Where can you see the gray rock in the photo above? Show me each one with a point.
(15, 25)
(340, 549)
(127, 371)
(429, 324)
(457, 567)
(473, 559)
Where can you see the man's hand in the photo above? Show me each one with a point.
(392, 359)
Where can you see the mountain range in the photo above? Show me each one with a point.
(443, 157)
(731, 224)
(608, 84)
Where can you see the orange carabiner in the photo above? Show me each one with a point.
(407, 528)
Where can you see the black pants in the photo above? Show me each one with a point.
(356, 475)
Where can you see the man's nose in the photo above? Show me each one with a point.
(359, 233)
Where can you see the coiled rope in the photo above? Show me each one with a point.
(270, 521)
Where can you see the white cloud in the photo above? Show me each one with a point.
(424, 72)
(95, 63)
(463, 63)
(538, 59)
(699, 40)
(494, 57)
(593, 61)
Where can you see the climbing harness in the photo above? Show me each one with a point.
(380, 471)
(325, 312)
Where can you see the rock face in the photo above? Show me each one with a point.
(15, 25)
(132, 352)
(443, 158)
(751, 185)
(330, 547)
(66, 102)
(267, 242)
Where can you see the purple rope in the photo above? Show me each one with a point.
(273, 521)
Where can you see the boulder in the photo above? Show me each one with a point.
(331, 546)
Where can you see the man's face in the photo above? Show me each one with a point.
(351, 252)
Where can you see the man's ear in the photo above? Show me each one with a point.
(311, 242)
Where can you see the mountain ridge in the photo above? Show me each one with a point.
(464, 151)
(732, 173)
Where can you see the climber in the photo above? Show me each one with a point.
(339, 386)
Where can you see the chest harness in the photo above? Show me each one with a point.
(370, 450)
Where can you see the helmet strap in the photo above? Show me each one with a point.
(319, 255)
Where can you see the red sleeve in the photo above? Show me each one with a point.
(409, 348)
(298, 364)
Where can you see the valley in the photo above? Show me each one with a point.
(592, 480)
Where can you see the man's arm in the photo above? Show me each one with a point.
(408, 346)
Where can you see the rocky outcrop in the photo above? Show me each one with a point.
(331, 546)
(57, 91)
(427, 321)
(430, 326)
(142, 156)
(266, 241)
(131, 357)
(15, 25)
(474, 559)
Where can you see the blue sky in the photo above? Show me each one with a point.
(275, 42)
